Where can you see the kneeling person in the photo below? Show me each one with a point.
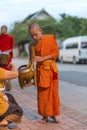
(10, 111)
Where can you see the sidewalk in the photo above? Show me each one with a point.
(70, 119)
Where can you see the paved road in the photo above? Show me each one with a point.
(72, 67)
(78, 78)
(75, 74)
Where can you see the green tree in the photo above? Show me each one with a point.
(69, 26)
(83, 26)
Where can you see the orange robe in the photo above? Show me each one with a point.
(47, 77)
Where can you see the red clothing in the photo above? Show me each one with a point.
(7, 43)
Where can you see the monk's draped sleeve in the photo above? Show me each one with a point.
(54, 51)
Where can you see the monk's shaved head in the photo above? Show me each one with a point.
(32, 25)
(35, 31)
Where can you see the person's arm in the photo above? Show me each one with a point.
(11, 74)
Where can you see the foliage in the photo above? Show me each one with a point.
(83, 26)
(68, 26)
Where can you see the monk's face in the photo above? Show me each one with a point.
(3, 30)
(36, 33)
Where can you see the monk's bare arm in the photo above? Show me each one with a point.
(48, 57)
(40, 59)
(11, 74)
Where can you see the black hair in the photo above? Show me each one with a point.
(4, 26)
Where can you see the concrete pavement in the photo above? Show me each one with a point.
(27, 98)
(74, 96)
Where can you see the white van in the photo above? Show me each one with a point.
(74, 50)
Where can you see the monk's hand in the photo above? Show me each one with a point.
(38, 58)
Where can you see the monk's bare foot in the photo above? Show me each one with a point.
(4, 123)
(55, 120)
(44, 120)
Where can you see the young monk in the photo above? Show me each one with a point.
(46, 50)
(10, 111)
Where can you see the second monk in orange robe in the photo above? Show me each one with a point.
(46, 50)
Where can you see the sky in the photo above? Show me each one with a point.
(17, 10)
